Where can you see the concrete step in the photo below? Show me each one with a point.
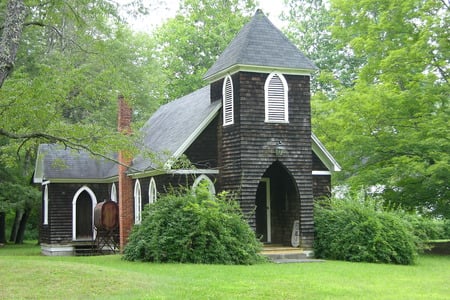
(283, 254)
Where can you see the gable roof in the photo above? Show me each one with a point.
(60, 164)
(319, 149)
(167, 134)
(174, 127)
(260, 45)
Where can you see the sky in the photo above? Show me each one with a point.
(271, 8)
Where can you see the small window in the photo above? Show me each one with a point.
(276, 99)
(137, 203)
(204, 178)
(113, 193)
(227, 94)
(46, 204)
(152, 191)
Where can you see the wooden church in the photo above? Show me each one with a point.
(248, 131)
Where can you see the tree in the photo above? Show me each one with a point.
(62, 66)
(388, 128)
(189, 43)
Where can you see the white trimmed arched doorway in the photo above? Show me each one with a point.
(83, 204)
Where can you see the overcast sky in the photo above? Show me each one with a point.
(271, 8)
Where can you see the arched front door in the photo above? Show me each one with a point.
(277, 205)
(83, 214)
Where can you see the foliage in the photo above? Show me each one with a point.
(426, 229)
(189, 43)
(384, 107)
(193, 228)
(360, 230)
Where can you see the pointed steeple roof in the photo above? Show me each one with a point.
(260, 46)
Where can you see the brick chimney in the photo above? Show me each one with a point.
(126, 205)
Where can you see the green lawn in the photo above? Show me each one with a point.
(24, 274)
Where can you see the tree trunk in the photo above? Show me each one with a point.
(2, 227)
(15, 227)
(22, 226)
(10, 39)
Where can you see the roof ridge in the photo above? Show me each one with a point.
(261, 45)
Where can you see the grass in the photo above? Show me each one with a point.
(24, 274)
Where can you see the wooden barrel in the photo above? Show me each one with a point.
(106, 215)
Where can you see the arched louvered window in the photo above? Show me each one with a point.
(276, 99)
(137, 203)
(227, 94)
(152, 192)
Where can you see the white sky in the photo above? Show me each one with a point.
(271, 8)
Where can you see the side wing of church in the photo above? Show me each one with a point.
(248, 131)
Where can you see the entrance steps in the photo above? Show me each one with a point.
(284, 254)
(85, 248)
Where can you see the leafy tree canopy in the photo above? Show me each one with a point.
(386, 119)
(190, 43)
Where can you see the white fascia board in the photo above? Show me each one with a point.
(193, 171)
(323, 154)
(148, 173)
(81, 180)
(173, 172)
(194, 135)
(320, 173)
(256, 69)
(39, 169)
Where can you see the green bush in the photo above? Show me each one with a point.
(425, 228)
(358, 230)
(193, 228)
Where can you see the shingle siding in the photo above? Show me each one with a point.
(60, 210)
(247, 148)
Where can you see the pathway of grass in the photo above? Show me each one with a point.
(25, 274)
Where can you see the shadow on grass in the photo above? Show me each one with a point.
(28, 248)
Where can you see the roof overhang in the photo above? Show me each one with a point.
(256, 69)
(323, 154)
(44, 181)
(151, 173)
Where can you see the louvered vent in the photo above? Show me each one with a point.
(228, 116)
(276, 99)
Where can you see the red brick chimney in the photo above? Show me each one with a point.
(126, 205)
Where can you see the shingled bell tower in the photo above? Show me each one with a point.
(264, 132)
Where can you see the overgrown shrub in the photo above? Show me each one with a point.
(193, 228)
(358, 230)
(425, 228)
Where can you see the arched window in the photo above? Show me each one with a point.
(152, 192)
(137, 203)
(227, 94)
(113, 193)
(204, 178)
(276, 99)
(46, 204)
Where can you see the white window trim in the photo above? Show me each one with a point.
(152, 192)
(46, 204)
(285, 98)
(114, 193)
(137, 202)
(228, 119)
(74, 210)
(202, 177)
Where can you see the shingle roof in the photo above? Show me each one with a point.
(57, 162)
(174, 126)
(261, 44)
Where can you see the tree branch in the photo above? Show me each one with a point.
(56, 139)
